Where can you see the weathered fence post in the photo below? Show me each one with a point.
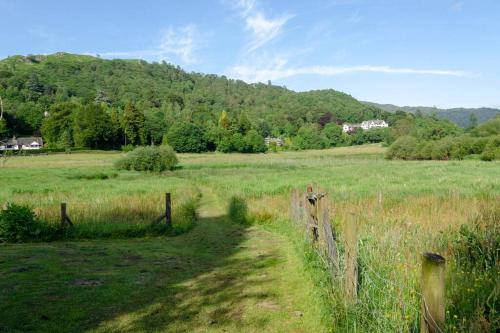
(312, 218)
(168, 209)
(351, 249)
(65, 220)
(329, 239)
(63, 213)
(432, 317)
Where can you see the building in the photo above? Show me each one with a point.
(27, 143)
(375, 123)
(365, 125)
(269, 140)
(349, 128)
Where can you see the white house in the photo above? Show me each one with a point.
(375, 123)
(348, 128)
(27, 143)
(365, 125)
(278, 141)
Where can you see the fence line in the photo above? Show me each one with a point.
(311, 213)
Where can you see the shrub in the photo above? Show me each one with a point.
(157, 158)
(404, 148)
(492, 149)
(462, 147)
(128, 148)
(238, 210)
(185, 215)
(18, 224)
(442, 149)
(424, 151)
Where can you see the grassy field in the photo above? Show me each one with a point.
(224, 277)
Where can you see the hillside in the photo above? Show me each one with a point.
(30, 85)
(460, 116)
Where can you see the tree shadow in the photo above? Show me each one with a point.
(179, 284)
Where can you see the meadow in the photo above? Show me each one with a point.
(221, 276)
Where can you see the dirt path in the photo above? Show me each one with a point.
(220, 277)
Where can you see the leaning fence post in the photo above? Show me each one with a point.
(433, 294)
(329, 238)
(351, 249)
(63, 213)
(65, 220)
(168, 209)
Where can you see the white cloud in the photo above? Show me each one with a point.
(262, 28)
(182, 43)
(277, 70)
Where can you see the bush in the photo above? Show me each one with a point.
(424, 150)
(128, 148)
(442, 149)
(404, 148)
(157, 158)
(492, 149)
(238, 210)
(18, 224)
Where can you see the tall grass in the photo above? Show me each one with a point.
(404, 209)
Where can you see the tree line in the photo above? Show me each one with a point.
(88, 102)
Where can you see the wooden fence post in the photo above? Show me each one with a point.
(331, 245)
(432, 317)
(168, 209)
(65, 220)
(351, 249)
(312, 210)
(63, 213)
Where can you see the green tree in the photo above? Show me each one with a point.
(309, 137)
(254, 142)
(155, 124)
(57, 128)
(4, 131)
(243, 124)
(333, 133)
(134, 125)
(92, 127)
(473, 120)
(186, 137)
(224, 121)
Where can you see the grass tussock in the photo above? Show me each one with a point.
(238, 210)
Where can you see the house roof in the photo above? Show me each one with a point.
(26, 141)
(374, 121)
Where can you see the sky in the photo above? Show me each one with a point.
(443, 53)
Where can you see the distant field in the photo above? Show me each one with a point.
(403, 206)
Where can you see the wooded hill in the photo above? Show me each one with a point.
(463, 117)
(88, 102)
(31, 84)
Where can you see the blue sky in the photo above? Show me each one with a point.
(422, 52)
